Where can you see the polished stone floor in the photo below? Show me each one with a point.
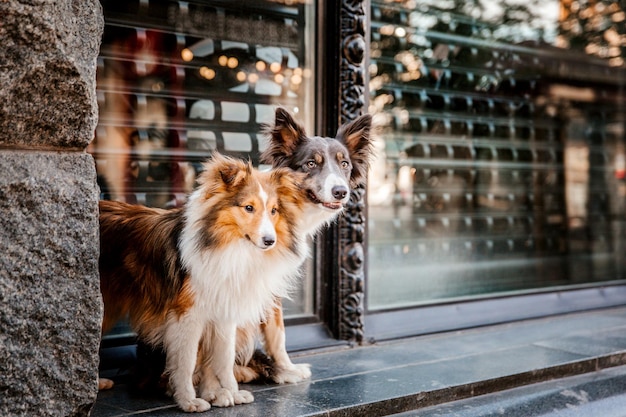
(556, 363)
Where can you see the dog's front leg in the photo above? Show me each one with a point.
(182, 338)
(217, 379)
(284, 371)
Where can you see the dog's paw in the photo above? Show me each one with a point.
(104, 383)
(293, 374)
(195, 405)
(243, 397)
(244, 374)
(220, 397)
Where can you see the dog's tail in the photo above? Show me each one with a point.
(262, 365)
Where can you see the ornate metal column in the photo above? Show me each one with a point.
(344, 246)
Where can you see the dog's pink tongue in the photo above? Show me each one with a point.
(332, 206)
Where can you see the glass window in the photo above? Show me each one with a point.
(179, 79)
(501, 165)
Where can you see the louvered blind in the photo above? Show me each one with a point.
(178, 79)
(498, 153)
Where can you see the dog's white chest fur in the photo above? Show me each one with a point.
(315, 218)
(238, 283)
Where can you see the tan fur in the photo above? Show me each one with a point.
(140, 275)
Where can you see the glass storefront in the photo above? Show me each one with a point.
(501, 162)
(179, 79)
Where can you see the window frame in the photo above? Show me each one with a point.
(309, 330)
(453, 316)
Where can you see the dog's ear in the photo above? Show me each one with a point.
(222, 171)
(356, 137)
(286, 177)
(233, 174)
(285, 135)
(291, 194)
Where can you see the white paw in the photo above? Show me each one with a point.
(293, 374)
(243, 397)
(220, 397)
(196, 405)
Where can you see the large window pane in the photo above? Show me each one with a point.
(501, 163)
(179, 79)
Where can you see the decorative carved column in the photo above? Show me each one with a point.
(352, 225)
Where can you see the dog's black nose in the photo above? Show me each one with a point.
(268, 241)
(339, 192)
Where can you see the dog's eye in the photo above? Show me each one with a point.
(249, 208)
(274, 211)
(311, 164)
(345, 164)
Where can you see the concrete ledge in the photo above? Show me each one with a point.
(410, 374)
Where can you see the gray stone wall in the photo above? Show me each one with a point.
(50, 304)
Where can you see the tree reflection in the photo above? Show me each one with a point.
(597, 28)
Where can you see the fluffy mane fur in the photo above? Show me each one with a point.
(243, 283)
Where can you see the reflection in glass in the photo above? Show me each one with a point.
(501, 156)
(179, 79)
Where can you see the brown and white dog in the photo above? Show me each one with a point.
(189, 277)
(332, 168)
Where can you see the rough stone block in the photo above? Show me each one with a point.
(50, 303)
(47, 72)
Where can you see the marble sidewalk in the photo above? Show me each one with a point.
(432, 374)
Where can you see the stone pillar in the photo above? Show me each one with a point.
(50, 304)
